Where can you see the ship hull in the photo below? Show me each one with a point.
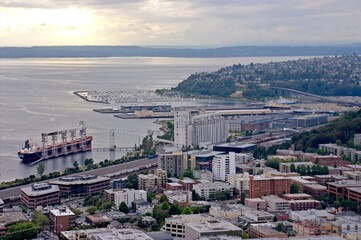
(57, 150)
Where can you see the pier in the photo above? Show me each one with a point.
(113, 149)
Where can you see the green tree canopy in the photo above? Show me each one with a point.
(40, 219)
(123, 207)
(40, 169)
(187, 210)
(294, 188)
(21, 230)
(91, 209)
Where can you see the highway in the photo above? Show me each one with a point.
(15, 191)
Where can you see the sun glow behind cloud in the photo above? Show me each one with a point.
(186, 22)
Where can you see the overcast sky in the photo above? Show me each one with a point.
(179, 23)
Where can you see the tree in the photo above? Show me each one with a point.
(123, 207)
(150, 196)
(163, 198)
(76, 165)
(165, 206)
(175, 209)
(273, 163)
(294, 188)
(187, 210)
(40, 169)
(281, 227)
(244, 235)
(21, 230)
(188, 173)
(293, 167)
(336, 204)
(76, 211)
(243, 197)
(91, 209)
(132, 181)
(106, 205)
(40, 219)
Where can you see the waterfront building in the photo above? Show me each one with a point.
(150, 182)
(222, 166)
(308, 120)
(208, 190)
(192, 130)
(262, 186)
(129, 196)
(40, 194)
(118, 183)
(81, 185)
(61, 219)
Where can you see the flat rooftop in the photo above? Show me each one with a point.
(77, 180)
(62, 212)
(212, 226)
(29, 191)
(346, 183)
(7, 218)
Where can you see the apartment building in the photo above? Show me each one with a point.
(222, 166)
(208, 190)
(129, 196)
(262, 186)
(150, 182)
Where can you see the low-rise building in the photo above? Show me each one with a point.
(118, 183)
(276, 204)
(297, 196)
(227, 211)
(98, 220)
(331, 160)
(265, 232)
(40, 194)
(9, 218)
(61, 219)
(301, 205)
(285, 167)
(187, 183)
(176, 224)
(256, 203)
(129, 196)
(143, 207)
(354, 193)
(309, 228)
(181, 197)
(173, 186)
(210, 228)
(209, 190)
(340, 188)
(308, 120)
(105, 233)
(81, 185)
(203, 175)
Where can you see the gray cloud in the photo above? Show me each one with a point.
(207, 22)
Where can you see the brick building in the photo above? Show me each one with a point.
(40, 194)
(263, 186)
(82, 185)
(61, 219)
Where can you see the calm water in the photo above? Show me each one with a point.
(36, 96)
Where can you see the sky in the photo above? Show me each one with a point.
(179, 22)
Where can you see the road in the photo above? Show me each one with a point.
(15, 191)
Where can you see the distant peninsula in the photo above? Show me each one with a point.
(324, 76)
(138, 51)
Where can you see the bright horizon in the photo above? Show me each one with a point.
(202, 23)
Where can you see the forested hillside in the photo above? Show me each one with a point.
(341, 130)
(327, 76)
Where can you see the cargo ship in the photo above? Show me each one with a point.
(33, 153)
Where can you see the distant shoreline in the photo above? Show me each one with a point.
(136, 51)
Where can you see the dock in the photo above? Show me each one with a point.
(113, 149)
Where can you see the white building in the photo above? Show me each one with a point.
(208, 190)
(203, 175)
(223, 165)
(239, 181)
(276, 204)
(129, 196)
(193, 130)
(144, 207)
(182, 197)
